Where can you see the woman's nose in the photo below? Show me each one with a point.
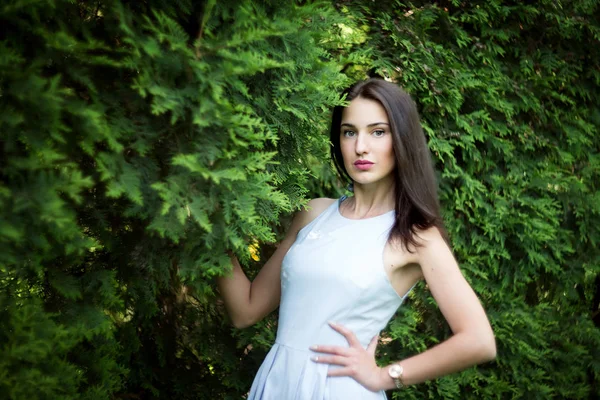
(362, 145)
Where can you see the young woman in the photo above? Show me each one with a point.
(346, 265)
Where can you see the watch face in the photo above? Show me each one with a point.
(395, 371)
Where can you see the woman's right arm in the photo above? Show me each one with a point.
(249, 302)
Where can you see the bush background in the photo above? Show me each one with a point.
(140, 140)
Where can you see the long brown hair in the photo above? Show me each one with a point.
(417, 206)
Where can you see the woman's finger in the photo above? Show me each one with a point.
(337, 360)
(348, 334)
(373, 345)
(342, 351)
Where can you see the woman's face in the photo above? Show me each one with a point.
(366, 143)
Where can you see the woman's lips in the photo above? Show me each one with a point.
(363, 165)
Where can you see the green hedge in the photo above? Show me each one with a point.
(509, 96)
(139, 140)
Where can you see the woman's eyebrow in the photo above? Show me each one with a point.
(368, 126)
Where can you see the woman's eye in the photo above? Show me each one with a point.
(379, 133)
(349, 133)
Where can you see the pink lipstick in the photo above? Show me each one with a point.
(363, 165)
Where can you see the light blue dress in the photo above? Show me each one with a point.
(333, 272)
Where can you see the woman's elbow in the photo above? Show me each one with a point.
(241, 322)
(479, 347)
(486, 351)
(491, 350)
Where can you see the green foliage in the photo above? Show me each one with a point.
(508, 93)
(141, 140)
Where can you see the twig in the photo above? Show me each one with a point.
(205, 16)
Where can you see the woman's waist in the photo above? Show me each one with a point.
(302, 336)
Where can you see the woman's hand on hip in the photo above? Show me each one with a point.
(355, 361)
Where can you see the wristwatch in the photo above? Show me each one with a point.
(395, 372)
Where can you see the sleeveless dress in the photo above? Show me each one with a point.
(333, 272)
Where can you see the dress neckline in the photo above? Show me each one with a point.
(344, 197)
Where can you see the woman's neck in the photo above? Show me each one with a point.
(369, 201)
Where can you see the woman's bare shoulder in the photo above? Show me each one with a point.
(307, 214)
(312, 210)
(318, 205)
(428, 238)
(433, 251)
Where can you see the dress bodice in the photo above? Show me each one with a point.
(333, 272)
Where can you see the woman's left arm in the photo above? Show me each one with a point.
(472, 341)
